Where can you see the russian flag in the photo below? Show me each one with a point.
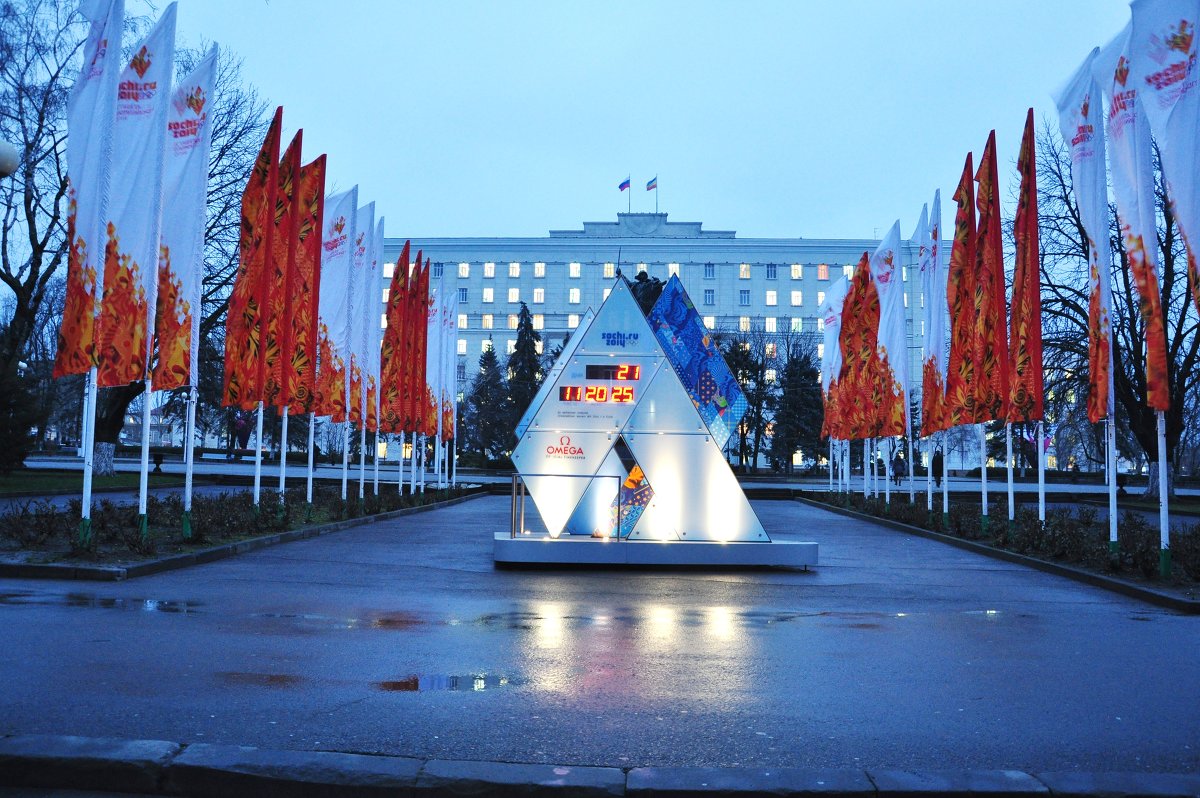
(624, 184)
(653, 184)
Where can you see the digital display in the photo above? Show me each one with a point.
(613, 371)
(595, 393)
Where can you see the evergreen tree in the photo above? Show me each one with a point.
(524, 369)
(486, 428)
(798, 413)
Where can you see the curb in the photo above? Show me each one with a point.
(117, 573)
(167, 768)
(1149, 595)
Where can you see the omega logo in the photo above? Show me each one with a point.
(564, 448)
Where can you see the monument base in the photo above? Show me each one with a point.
(529, 550)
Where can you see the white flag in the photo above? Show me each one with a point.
(91, 109)
(887, 273)
(375, 385)
(1162, 55)
(363, 302)
(181, 253)
(830, 313)
(333, 309)
(449, 364)
(934, 361)
(135, 208)
(1079, 115)
(431, 407)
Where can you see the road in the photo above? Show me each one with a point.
(400, 637)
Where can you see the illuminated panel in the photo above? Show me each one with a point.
(613, 371)
(595, 393)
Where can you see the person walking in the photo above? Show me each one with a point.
(898, 464)
(937, 467)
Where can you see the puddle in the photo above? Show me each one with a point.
(259, 679)
(99, 602)
(424, 683)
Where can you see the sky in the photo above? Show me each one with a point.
(807, 119)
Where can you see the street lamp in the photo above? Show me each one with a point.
(8, 158)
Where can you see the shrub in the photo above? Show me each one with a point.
(1185, 551)
(1139, 543)
(35, 523)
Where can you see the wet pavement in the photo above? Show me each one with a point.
(400, 637)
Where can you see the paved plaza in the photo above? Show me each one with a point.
(400, 637)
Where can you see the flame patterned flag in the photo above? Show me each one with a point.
(374, 328)
(420, 319)
(244, 357)
(361, 307)
(449, 363)
(1025, 391)
(281, 266)
(135, 209)
(830, 312)
(892, 342)
(391, 353)
(414, 347)
(991, 331)
(90, 115)
(431, 411)
(960, 298)
(1132, 165)
(300, 369)
(858, 379)
(933, 287)
(1162, 67)
(1079, 117)
(331, 390)
(181, 249)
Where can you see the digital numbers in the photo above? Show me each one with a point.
(595, 393)
(613, 371)
(570, 393)
(622, 393)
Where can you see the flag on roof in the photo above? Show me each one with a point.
(624, 184)
(653, 184)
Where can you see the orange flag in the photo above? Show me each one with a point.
(960, 296)
(298, 364)
(245, 364)
(414, 324)
(281, 268)
(420, 387)
(991, 329)
(1025, 391)
(860, 361)
(392, 352)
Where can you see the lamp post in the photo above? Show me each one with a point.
(9, 160)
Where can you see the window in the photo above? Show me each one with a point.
(462, 295)
(488, 294)
(672, 269)
(489, 270)
(485, 321)
(607, 291)
(514, 270)
(710, 271)
(512, 321)
(744, 324)
(771, 350)
(820, 298)
(820, 351)
(460, 370)
(797, 271)
(383, 321)
(769, 325)
(744, 271)
(462, 321)
(538, 347)
(797, 298)
(437, 270)
(573, 320)
(848, 270)
(610, 270)
(573, 269)
(462, 346)
(922, 326)
(641, 269)
(822, 271)
(710, 296)
(486, 346)
(573, 296)
(464, 270)
(820, 323)
(905, 300)
(539, 321)
(744, 297)
(386, 291)
(710, 322)
(539, 296)
(539, 269)
(772, 271)
(771, 375)
(514, 295)
(797, 324)
(904, 274)
(771, 299)
(510, 346)
(388, 269)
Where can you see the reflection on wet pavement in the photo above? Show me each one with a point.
(260, 679)
(99, 602)
(431, 682)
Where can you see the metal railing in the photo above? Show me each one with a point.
(519, 493)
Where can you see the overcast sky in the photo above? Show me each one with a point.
(815, 119)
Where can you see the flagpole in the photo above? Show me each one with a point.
(144, 472)
(945, 481)
(375, 455)
(345, 458)
(454, 458)
(412, 466)
(912, 485)
(866, 466)
(1164, 521)
(283, 431)
(312, 423)
(189, 461)
(362, 460)
(929, 478)
(887, 475)
(1041, 469)
(831, 465)
(983, 485)
(1111, 458)
(400, 466)
(89, 443)
(424, 443)
(1012, 513)
(258, 454)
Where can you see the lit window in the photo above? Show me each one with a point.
(573, 296)
(820, 298)
(921, 298)
(822, 271)
(539, 321)
(383, 321)
(904, 273)
(487, 346)
(672, 269)
(848, 270)
(744, 297)
(770, 350)
(906, 300)
(744, 323)
(573, 269)
(462, 321)
(437, 270)
(772, 271)
(771, 299)
(489, 270)
(820, 323)
(462, 346)
(486, 321)
(797, 271)
(744, 271)
(573, 320)
(539, 269)
(820, 351)
(510, 346)
(769, 324)
(512, 321)
(539, 296)
(771, 375)
(385, 294)
(710, 271)
(514, 295)
(388, 269)
(488, 294)
(797, 324)
(607, 291)
(464, 270)
(462, 295)
(514, 270)
(710, 296)
(797, 298)
(922, 326)
(610, 270)
(641, 268)
(710, 322)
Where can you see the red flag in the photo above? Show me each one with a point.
(414, 321)
(991, 334)
(391, 353)
(299, 356)
(281, 268)
(860, 331)
(420, 388)
(245, 364)
(1025, 394)
(960, 296)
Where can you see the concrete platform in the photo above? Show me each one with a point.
(543, 550)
